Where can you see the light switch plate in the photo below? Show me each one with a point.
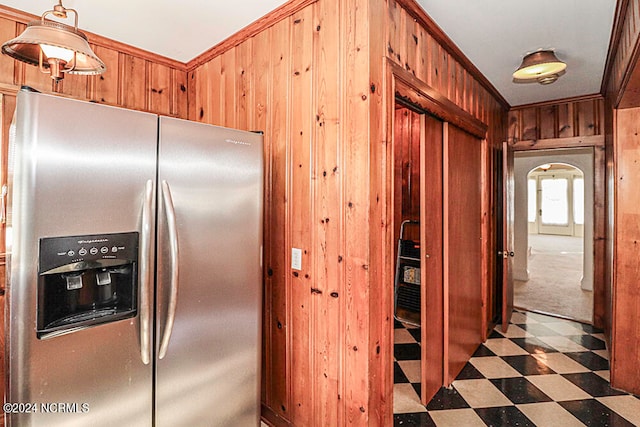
(296, 259)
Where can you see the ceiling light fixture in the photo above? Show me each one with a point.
(541, 66)
(54, 47)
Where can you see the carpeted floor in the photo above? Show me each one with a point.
(555, 270)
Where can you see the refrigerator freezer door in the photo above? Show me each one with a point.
(209, 371)
(80, 169)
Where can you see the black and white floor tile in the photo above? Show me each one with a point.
(544, 371)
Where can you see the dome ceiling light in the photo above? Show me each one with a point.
(54, 47)
(541, 66)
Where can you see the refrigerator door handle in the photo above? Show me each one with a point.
(145, 270)
(173, 246)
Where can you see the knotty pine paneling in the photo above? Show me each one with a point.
(565, 121)
(410, 45)
(278, 248)
(307, 77)
(328, 272)
(132, 95)
(548, 121)
(619, 67)
(159, 94)
(7, 32)
(417, 45)
(407, 171)
(301, 154)
(578, 117)
(358, 225)
(625, 351)
(134, 78)
(244, 69)
(105, 86)
(380, 366)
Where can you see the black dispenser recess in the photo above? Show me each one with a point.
(85, 281)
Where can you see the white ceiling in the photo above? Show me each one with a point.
(493, 34)
(496, 34)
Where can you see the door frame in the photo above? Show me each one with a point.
(596, 142)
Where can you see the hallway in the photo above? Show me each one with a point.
(544, 371)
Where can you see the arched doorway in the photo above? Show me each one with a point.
(553, 267)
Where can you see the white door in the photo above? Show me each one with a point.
(554, 208)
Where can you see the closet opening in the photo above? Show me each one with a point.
(417, 233)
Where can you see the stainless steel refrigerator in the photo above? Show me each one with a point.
(134, 279)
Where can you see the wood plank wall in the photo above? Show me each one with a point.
(625, 346)
(572, 118)
(407, 171)
(621, 82)
(313, 83)
(134, 78)
(621, 87)
(415, 43)
(304, 81)
(419, 47)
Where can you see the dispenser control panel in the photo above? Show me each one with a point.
(56, 252)
(86, 281)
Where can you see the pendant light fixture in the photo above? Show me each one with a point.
(54, 47)
(542, 66)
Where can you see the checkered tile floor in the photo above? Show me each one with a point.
(544, 371)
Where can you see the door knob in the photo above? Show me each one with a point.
(512, 254)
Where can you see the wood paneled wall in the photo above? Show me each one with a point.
(304, 81)
(621, 87)
(574, 118)
(134, 78)
(407, 171)
(621, 82)
(625, 346)
(430, 61)
(416, 43)
(313, 82)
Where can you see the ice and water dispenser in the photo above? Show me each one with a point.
(85, 281)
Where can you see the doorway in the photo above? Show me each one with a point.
(417, 212)
(407, 285)
(553, 267)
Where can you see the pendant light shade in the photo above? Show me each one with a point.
(542, 66)
(54, 47)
